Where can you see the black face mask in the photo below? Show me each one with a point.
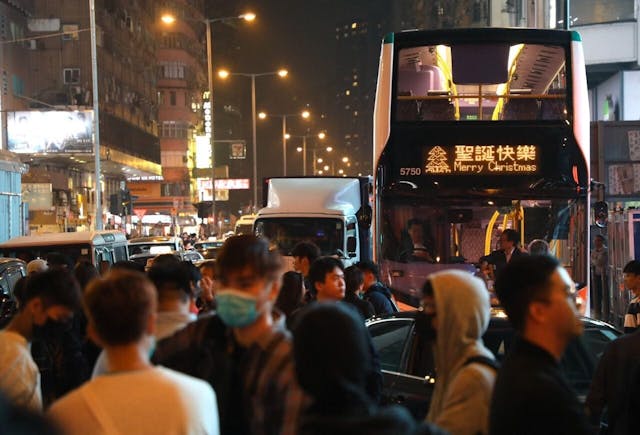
(51, 328)
(424, 326)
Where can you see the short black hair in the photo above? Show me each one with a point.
(321, 267)
(414, 221)
(369, 266)
(306, 250)
(119, 306)
(54, 287)
(171, 277)
(632, 267)
(512, 236)
(247, 250)
(524, 280)
(353, 278)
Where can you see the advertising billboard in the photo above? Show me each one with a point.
(50, 132)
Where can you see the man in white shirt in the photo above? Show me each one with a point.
(50, 297)
(134, 396)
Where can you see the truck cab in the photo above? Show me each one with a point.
(332, 212)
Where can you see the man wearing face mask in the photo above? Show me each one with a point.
(243, 349)
(50, 297)
(455, 312)
(249, 275)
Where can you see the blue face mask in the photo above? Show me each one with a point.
(236, 309)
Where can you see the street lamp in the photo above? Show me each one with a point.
(96, 119)
(304, 114)
(282, 73)
(303, 148)
(170, 19)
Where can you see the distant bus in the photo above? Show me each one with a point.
(94, 246)
(476, 131)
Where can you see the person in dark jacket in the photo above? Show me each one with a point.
(613, 385)
(332, 358)
(509, 249)
(291, 293)
(374, 291)
(354, 280)
(531, 395)
(304, 254)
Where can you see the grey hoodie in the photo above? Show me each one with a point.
(462, 394)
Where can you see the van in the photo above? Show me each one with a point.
(94, 246)
(244, 225)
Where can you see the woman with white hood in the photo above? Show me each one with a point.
(454, 314)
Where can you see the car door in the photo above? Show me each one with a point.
(393, 338)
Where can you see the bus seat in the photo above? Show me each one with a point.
(551, 109)
(520, 109)
(437, 110)
(407, 110)
(435, 77)
(416, 82)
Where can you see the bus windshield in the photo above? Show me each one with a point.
(421, 238)
(327, 233)
(481, 81)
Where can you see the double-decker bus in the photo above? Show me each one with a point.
(477, 131)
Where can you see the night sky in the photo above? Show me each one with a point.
(297, 35)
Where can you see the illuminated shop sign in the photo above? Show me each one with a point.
(478, 160)
(50, 131)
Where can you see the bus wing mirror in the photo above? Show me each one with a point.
(601, 213)
(351, 246)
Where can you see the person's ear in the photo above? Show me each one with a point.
(537, 311)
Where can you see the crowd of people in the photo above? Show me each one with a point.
(238, 346)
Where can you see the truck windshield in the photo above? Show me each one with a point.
(285, 233)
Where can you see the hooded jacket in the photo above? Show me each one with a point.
(462, 394)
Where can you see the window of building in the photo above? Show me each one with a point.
(172, 98)
(174, 189)
(596, 11)
(71, 75)
(174, 129)
(172, 70)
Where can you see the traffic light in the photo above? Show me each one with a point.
(115, 204)
(127, 203)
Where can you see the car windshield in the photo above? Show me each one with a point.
(152, 248)
(285, 233)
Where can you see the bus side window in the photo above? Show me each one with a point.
(407, 110)
(520, 109)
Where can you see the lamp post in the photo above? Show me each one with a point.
(304, 137)
(169, 19)
(281, 73)
(304, 114)
(96, 117)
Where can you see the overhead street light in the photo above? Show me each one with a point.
(224, 74)
(170, 19)
(305, 114)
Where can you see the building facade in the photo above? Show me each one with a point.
(48, 117)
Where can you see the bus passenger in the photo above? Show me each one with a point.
(509, 249)
(417, 247)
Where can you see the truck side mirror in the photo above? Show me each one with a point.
(601, 213)
(351, 246)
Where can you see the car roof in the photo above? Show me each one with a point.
(153, 239)
(498, 319)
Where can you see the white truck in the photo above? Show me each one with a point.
(332, 212)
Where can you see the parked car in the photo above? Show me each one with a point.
(143, 248)
(208, 248)
(407, 365)
(11, 270)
